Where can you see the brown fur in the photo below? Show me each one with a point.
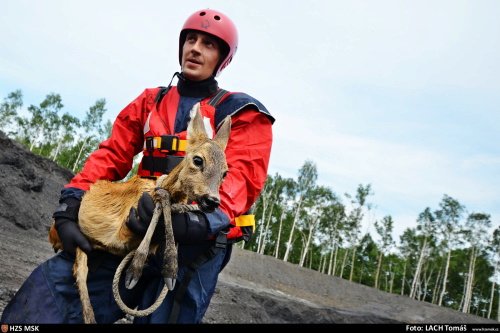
(106, 206)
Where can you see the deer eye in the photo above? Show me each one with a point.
(198, 161)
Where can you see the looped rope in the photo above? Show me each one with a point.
(163, 206)
(118, 299)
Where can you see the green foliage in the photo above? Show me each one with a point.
(46, 132)
(9, 110)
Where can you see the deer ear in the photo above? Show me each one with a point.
(222, 135)
(196, 128)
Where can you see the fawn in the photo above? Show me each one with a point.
(105, 207)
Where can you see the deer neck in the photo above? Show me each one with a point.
(173, 185)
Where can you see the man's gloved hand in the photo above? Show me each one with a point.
(139, 219)
(189, 228)
(66, 217)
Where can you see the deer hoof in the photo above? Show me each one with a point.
(130, 279)
(170, 283)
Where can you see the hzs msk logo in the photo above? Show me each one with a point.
(5, 328)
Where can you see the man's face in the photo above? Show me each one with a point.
(200, 56)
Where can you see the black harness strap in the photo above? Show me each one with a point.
(161, 164)
(214, 101)
(162, 92)
(214, 250)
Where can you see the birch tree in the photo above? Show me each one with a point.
(367, 258)
(51, 122)
(65, 133)
(35, 132)
(408, 248)
(426, 228)
(476, 233)
(308, 176)
(280, 228)
(34, 125)
(265, 200)
(93, 130)
(316, 203)
(355, 218)
(384, 230)
(272, 205)
(272, 213)
(494, 255)
(332, 225)
(449, 218)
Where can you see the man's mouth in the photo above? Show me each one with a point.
(194, 61)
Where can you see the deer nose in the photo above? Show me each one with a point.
(209, 203)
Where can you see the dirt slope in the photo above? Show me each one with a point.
(252, 289)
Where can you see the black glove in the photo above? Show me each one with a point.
(247, 233)
(66, 217)
(189, 228)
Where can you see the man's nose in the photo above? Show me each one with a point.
(196, 46)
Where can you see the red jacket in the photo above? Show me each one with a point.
(247, 151)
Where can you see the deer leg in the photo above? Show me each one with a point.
(80, 272)
(134, 271)
(169, 270)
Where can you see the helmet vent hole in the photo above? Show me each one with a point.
(202, 14)
(217, 17)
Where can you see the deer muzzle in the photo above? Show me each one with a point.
(208, 203)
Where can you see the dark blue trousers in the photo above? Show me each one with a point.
(49, 295)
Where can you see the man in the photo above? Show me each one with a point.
(153, 124)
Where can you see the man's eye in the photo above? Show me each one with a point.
(209, 44)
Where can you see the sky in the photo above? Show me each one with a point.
(402, 95)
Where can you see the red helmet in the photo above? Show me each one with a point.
(217, 24)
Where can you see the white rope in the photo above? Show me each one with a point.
(164, 207)
(118, 299)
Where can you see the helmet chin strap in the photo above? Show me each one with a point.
(179, 76)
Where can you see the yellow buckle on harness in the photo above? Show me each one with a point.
(169, 142)
(182, 145)
(245, 221)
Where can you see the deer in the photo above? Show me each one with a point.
(106, 205)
